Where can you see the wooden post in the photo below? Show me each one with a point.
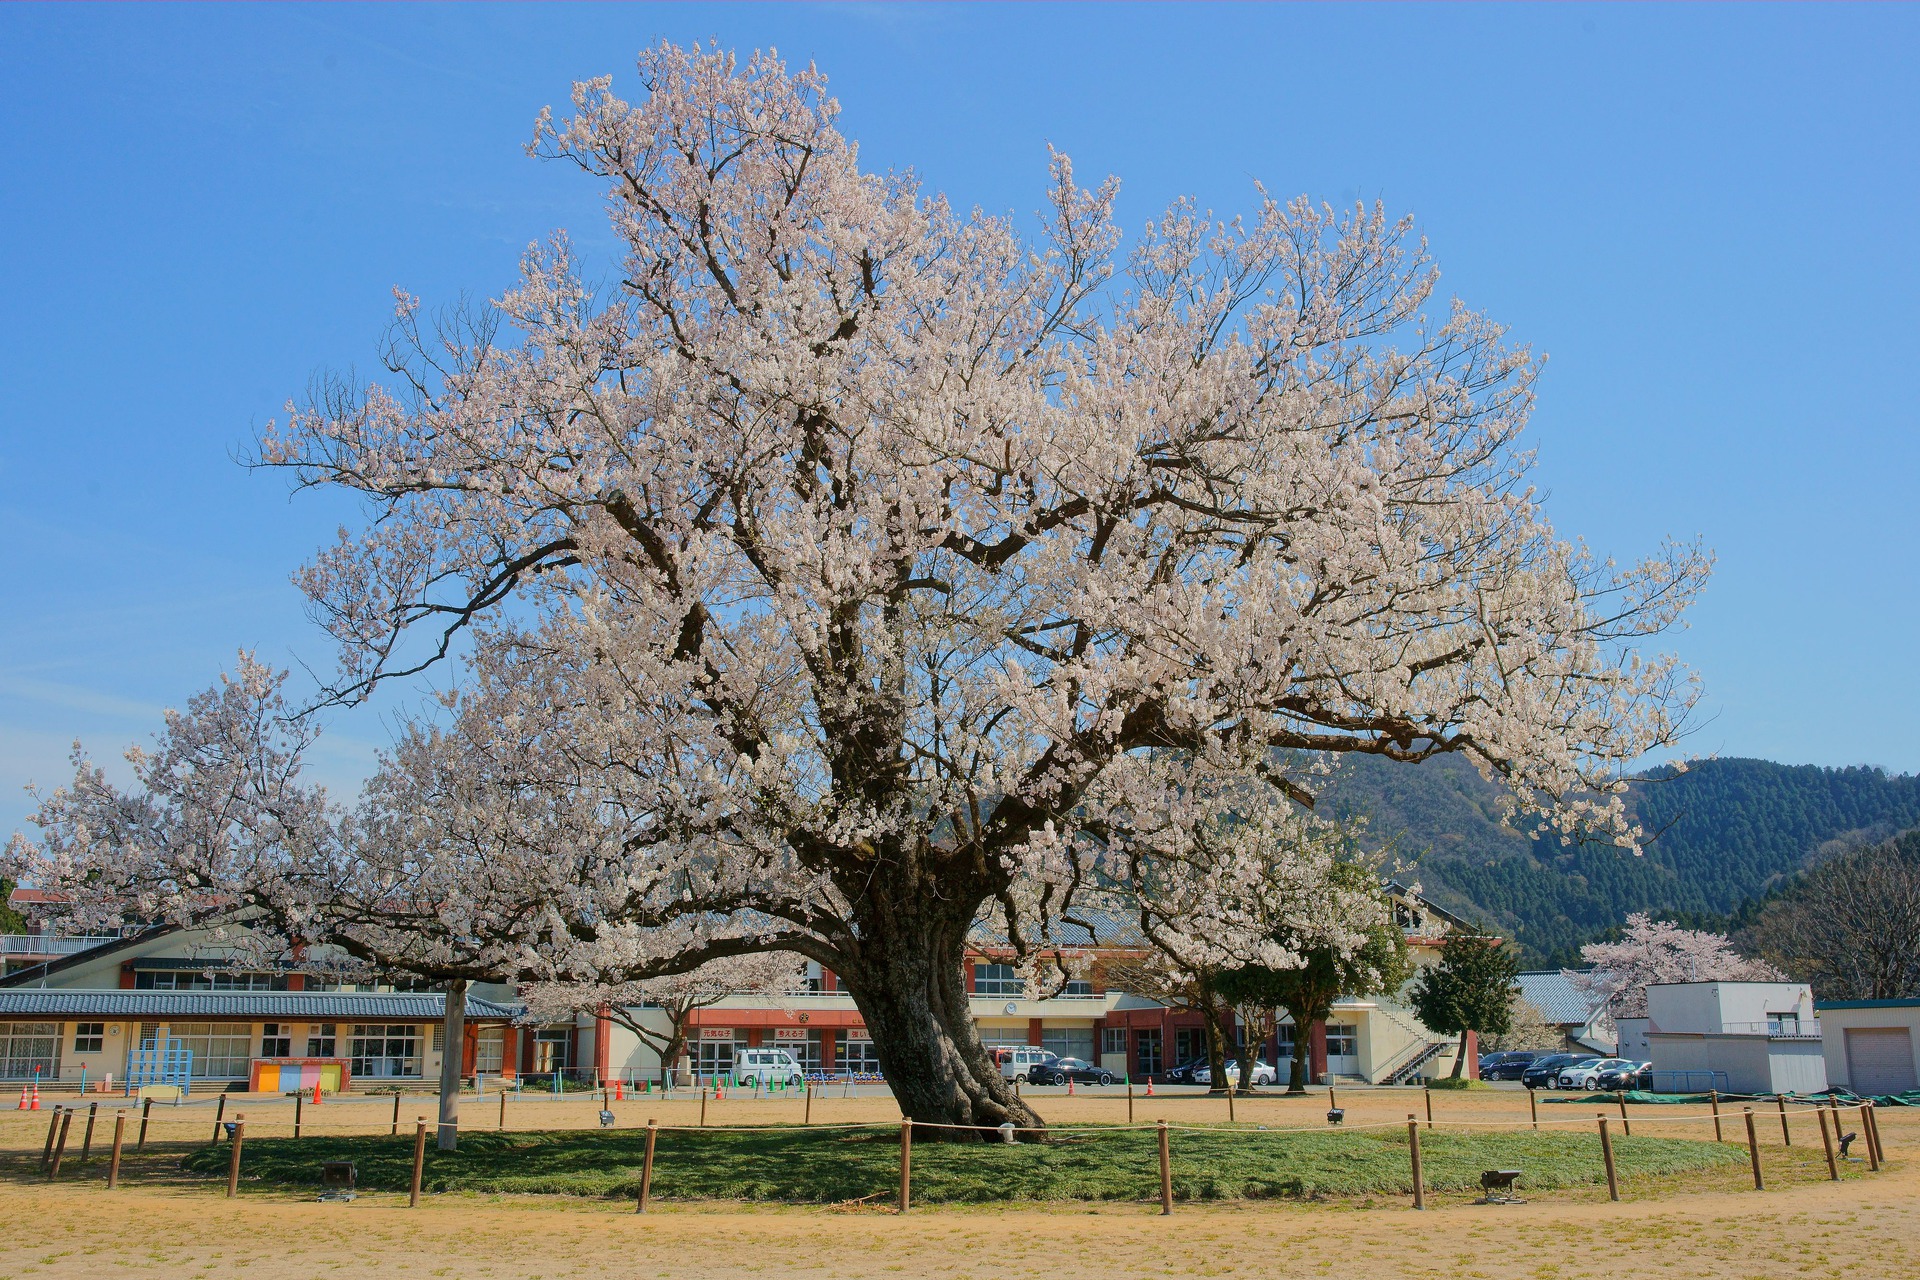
(1715, 1096)
(646, 1166)
(1606, 1154)
(1166, 1172)
(393, 1130)
(113, 1164)
(1626, 1125)
(1866, 1132)
(1332, 1103)
(53, 1130)
(1826, 1142)
(60, 1146)
(703, 1106)
(1786, 1139)
(1428, 1090)
(806, 1117)
(419, 1161)
(86, 1141)
(503, 1108)
(1129, 1102)
(1533, 1106)
(1413, 1152)
(1229, 1103)
(298, 1098)
(906, 1164)
(1753, 1151)
(146, 1109)
(219, 1115)
(1873, 1122)
(233, 1156)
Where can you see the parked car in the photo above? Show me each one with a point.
(1185, 1072)
(1061, 1070)
(1017, 1063)
(1586, 1074)
(1508, 1065)
(1263, 1073)
(768, 1066)
(1542, 1072)
(1634, 1075)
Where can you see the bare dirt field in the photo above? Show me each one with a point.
(159, 1223)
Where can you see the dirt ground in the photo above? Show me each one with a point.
(158, 1224)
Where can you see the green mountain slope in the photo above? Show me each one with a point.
(1723, 831)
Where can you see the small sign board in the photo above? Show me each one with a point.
(789, 1033)
(716, 1033)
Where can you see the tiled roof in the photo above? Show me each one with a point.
(344, 1006)
(1559, 1000)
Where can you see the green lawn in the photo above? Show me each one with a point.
(790, 1165)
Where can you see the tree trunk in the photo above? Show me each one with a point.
(1249, 1050)
(452, 1052)
(1460, 1058)
(1302, 1053)
(1216, 1049)
(909, 984)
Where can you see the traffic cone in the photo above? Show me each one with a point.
(719, 1093)
(619, 1095)
(1069, 1086)
(36, 1096)
(1149, 1086)
(23, 1099)
(316, 1093)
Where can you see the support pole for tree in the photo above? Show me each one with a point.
(1626, 1125)
(1533, 1107)
(1826, 1144)
(393, 1127)
(503, 1109)
(53, 1131)
(219, 1114)
(1606, 1154)
(1413, 1153)
(298, 1098)
(1428, 1090)
(146, 1110)
(86, 1140)
(60, 1145)
(1753, 1151)
(113, 1163)
(1786, 1139)
(1714, 1096)
(1166, 1172)
(1230, 1105)
(806, 1117)
(703, 1106)
(1129, 1102)
(233, 1156)
(419, 1161)
(1873, 1121)
(646, 1166)
(1873, 1141)
(452, 1051)
(906, 1164)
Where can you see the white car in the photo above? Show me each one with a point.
(1017, 1063)
(1263, 1073)
(768, 1066)
(1586, 1075)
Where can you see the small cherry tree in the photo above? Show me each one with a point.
(1651, 951)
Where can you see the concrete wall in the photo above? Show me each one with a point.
(1725, 1006)
(1837, 1019)
(1750, 1063)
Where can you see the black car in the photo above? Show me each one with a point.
(1061, 1070)
(1184, 1073)
(1639, 1077)
(1542, 1072)
(1507, 1066)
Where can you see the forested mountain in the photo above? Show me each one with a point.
(1722, 832)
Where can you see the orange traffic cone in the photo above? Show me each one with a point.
(23, 1099)
(719, 1093)
(1069, 1086)
(36, 1096)
(316, 1093)
(1149, 1086)
(619, 1095)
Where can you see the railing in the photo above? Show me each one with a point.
(39, 944)
(1690, 1081)
(1791, 1030)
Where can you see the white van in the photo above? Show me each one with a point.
(1017, 1063)
(768, 1066)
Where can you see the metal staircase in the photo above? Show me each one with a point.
(1424, 1049)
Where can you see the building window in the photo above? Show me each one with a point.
(997, 980)
(1146, 1051)
(551, 1049)
(385, 1051)
(221, 1050)
(90, 1037)
(1077, 987)
(1283, 1034)
(857, 1056)
(195, 980)
(276, 1040)
(1113, 1040)
(28, 1049)
(712, 1058)
(1069, 1042)
(1783, 1024)
(320, 1041)
(489, 1048)
(1343, 1040)
(1189, 1045)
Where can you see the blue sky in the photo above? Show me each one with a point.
(1703, 215)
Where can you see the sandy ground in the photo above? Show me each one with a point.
(157, 1224)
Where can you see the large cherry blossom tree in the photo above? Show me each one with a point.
(1651, 951)
(839, 566)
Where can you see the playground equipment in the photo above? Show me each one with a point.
(165, 1061)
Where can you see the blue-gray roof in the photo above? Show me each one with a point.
(344, 1006)
(1560, 1001)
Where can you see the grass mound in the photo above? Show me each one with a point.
(814, 1166)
